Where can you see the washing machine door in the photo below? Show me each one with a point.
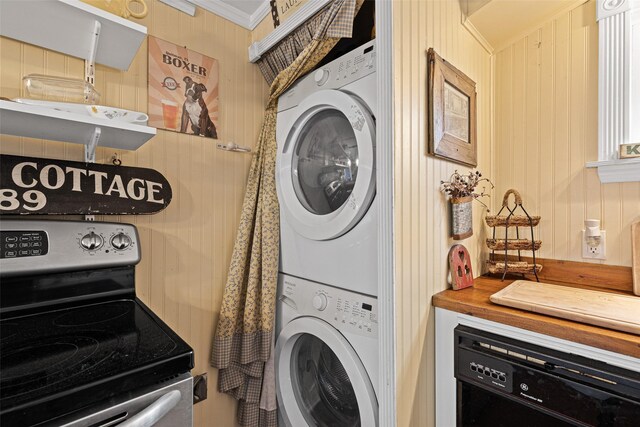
(320, 378)
(326, 169)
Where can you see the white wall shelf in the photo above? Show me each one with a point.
(67, 26)
(39, 122)
(306, 11)
(621, 170)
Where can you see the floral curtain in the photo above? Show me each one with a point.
(244, 338)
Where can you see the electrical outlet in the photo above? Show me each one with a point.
(595, 252)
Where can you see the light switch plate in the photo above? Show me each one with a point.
(595, 252)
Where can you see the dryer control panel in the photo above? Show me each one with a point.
(345, 310)
(338, 73)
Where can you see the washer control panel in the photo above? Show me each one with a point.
(345, 310)
(65, 246)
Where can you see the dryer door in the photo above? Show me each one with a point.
(326, 170)
(320, 378)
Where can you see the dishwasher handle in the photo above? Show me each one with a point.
(154, 412)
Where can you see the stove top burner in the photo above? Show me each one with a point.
(72, 350)
(7, 330)
(47, 362)
(91, 316)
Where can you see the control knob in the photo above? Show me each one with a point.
(120, 241)
(321, 76)
(320, 302)
(91, 241)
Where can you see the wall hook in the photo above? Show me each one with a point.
(232, 146)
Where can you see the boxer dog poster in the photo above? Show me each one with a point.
(183, 90)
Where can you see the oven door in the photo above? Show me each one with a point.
(169, 404)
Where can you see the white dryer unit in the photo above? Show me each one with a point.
(326, 357)
(325, 174)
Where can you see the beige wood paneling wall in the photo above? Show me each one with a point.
(546, 130)
(186, 248)
(422, 226)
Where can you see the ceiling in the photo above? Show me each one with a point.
(501, 21)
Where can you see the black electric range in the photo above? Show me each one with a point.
(73, 334)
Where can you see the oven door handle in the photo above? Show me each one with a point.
(154, 412)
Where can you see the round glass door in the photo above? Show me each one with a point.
(323, 388)
(326, 169)
(320, 379)
(325, 162)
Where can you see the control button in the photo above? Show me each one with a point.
(494, 375)
(535, 360)
(487, 372)
(37, 237)
(24, 245)
(35, 252)
(474, 367)
(24, 253)
(319, 302)
(36, 244)
(10, 254)
(11, 245)
(91, 241)
(502, 378)
(11, 239)
(518, 355)
(499, 349)
(24, 238)
(321, 76)
(120, 241)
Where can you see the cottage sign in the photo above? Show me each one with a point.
(45, 186)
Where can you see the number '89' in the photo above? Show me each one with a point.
(34, 200)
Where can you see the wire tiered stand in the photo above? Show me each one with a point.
(498, 245)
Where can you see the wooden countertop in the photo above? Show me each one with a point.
(475, 301)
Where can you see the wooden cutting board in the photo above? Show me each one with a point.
(635, 256)
(614, 311)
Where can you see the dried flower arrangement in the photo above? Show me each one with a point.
(460, 186)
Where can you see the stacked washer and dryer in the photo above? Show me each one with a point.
(326, 319)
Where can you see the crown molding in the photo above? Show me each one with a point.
(234, 15)
(262, 12)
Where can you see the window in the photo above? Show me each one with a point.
(619, 92)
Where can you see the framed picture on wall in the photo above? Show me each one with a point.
(451, 109)
(183, 89)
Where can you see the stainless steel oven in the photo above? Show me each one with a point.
(503, 382)
(77, 347)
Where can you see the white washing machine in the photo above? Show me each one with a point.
(325, 174)
(326, 358)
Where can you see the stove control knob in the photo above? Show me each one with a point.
(320, 302)
(321, 76)
(120, 241)
(91, 241)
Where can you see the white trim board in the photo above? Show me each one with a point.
(385, 195)
(622, 170)
(237, 16)
(306, 11)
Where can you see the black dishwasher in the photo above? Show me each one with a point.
(502, 382)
